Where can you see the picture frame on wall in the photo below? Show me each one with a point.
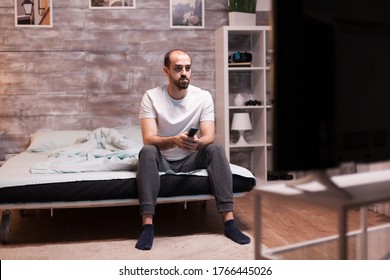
(187, 14)
(111, 4)
(33, 13)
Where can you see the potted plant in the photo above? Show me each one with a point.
(242, 12)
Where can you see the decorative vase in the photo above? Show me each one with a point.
(239, 100)
(241, 19)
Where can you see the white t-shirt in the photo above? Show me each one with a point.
(176, 116)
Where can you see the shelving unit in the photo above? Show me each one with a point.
(253, 82)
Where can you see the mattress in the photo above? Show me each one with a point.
(19, 185)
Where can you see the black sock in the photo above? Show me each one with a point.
(232, 231)
(145, 240)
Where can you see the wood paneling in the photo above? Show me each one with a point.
(93, 66)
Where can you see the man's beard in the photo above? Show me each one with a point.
(182, 83)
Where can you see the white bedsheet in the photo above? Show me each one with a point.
(16, 172)
(104, 149)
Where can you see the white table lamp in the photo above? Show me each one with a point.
(241, 122)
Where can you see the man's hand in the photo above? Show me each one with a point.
(188, 143)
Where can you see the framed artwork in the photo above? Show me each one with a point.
(187, 13)
(111, 4)
(33, 13)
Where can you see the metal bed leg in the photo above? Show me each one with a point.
(203, 203)
(4, 226)
(22, 213)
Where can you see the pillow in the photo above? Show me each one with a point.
(132, 133)
(49, 140)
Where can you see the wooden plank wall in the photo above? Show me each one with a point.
(92, 68)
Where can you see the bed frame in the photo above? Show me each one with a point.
(21, 189)
(7, 208)
(241, 186)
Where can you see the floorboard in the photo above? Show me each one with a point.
(284, 222)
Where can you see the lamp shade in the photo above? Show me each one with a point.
(241, 121)
(27, 6)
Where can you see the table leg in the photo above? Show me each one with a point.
(343, 254)
(363, 228)
(257, 224)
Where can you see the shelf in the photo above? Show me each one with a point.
(252, 80)
(248, 145)
(248, 107)
(240, 64)
(247, 68)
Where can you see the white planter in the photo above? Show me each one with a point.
(237, 18)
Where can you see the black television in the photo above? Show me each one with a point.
(331, 83)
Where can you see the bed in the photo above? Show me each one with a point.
(80, 168)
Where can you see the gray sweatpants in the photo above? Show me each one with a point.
(212, 158)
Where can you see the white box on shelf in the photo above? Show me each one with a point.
(242, 19)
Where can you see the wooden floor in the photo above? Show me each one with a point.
(284, 222)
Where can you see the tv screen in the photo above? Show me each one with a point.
(331, 83)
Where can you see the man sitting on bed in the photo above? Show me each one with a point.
(166, 114)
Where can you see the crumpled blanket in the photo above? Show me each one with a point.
(104, 149)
